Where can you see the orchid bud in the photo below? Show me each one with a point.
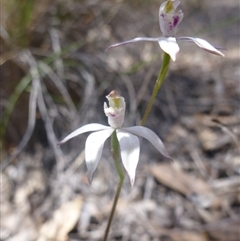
(116, 110)
(169, 19)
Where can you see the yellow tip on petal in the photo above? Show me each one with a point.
(169, 7)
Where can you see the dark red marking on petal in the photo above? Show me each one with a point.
(175, 20)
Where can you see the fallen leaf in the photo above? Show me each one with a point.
(63, 221)
(197, 190)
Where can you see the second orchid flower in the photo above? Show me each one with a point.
(169, 20)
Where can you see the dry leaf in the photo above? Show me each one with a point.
(63, 221)
(197, 190)
(178, 235)
(224, 230)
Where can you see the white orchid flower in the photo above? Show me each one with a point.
(127, 138)
(169, 20)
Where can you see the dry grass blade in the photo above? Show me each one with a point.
(60, 86)
(32, 108)
(57, 50)
(227, 130)
(132, 96)
(89, 88)
(50, 133)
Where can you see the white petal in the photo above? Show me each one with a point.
(150, 136)
(170, 46)
(83, 129)
(203, 44)
(93, 149)
(139, 39)
(130, 149)
(116, 110)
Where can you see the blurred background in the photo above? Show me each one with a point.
(55, 74)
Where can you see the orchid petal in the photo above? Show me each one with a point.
(203, 44)
(93, 149)
(150, 136)
(169, 46)
(83, 129)
(116, 110)
(130, 149)
(169, 19)
(139, 39)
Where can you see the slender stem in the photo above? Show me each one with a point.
(113, 208)
(116, 157)
(158, 84)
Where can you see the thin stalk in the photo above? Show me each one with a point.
(158, 84)
(116, 157)
(113, 208)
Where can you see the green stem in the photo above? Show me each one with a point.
(158, 84)
(113, 209)
(116, 157)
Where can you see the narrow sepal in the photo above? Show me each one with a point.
(83, 129)
(203, 44)
(150, 136)
(139, 39)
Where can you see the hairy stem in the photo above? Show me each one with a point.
(158, 84)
